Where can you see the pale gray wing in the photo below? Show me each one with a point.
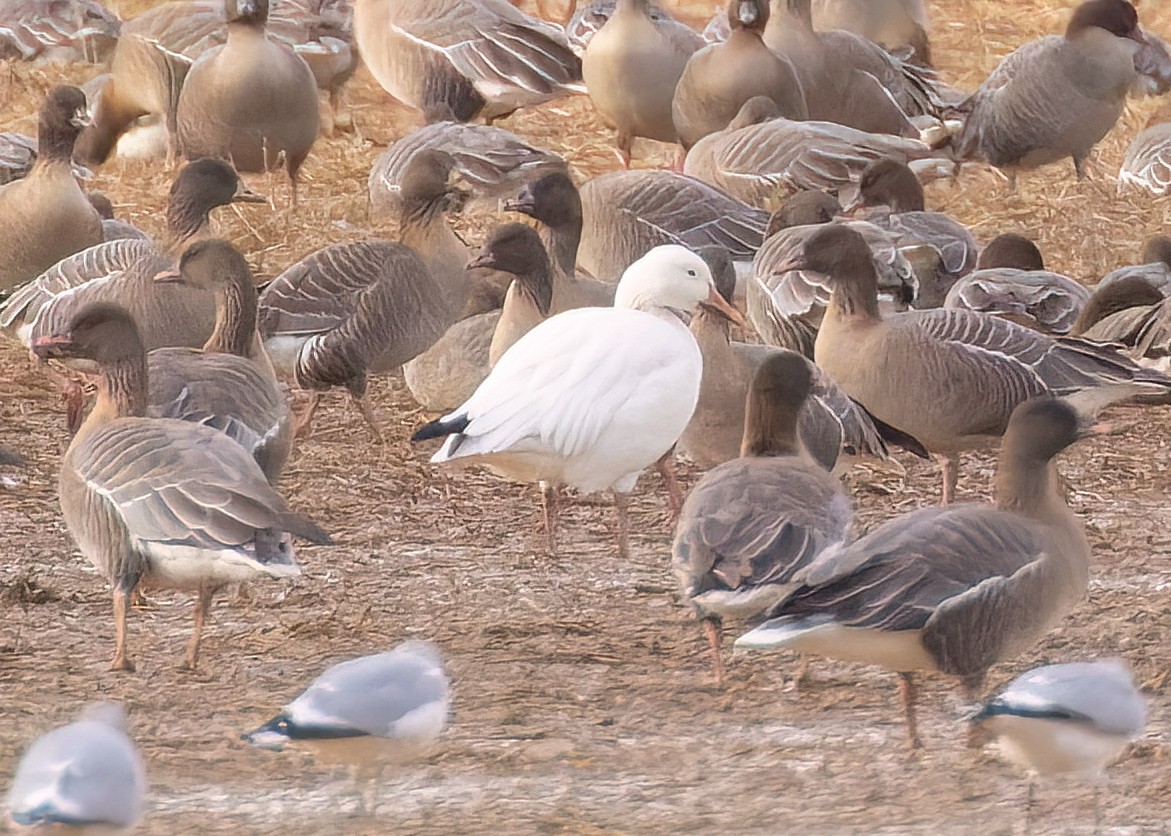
(854, 426)
(1147, 163)
(1101, 694)
(189, 27)
(17, 153)
(1157, 274)
(1050, 300)
(957, 246)
(83, 30)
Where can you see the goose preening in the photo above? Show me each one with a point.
(67, 31)
(229, 384)
(1058, 96)
(157, 500)
(1010, 281)
(949, 378)
(386, 705)
(952, 590)
(720, 78)
(464, 58)
(591, 397)
(86, 776)
(45, 215)
(1071, 718)
(752, 524)
(631, 67)
(252, 101)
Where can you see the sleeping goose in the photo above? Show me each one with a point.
(891, 196)
(1147, 163)
(1010, 281)
(351, 310)
(252, 101)
(753, 523)
(1133, 314)
(761, 155)
(949, 378)
(86, 776)
(229, 384)
(167, 502)
(591, 397)
(720, 78)
(1055, 97)
(467, 58)
(67, 31)
(631, 67)
(1154, 266)
(953, 590)
(45, 215)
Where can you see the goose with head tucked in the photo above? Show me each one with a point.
(720, 78)
(951, 590)
(1010, 281)
(157, 500)
(464, 58)
(591, 397)
(1153, 267)
(45, 215)
(1147, 164)
(1058, 96)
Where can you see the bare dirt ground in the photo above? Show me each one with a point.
(583, 701)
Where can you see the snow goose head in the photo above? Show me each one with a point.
(671, 278)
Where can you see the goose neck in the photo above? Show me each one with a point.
(235, 322)
(769, 429)
(122, 390)
(561, 242)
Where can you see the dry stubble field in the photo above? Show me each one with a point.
(582, 694)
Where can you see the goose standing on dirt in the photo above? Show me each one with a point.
(752, 524)
(949, 378)
(591, 397)
(953, 590)
(1058, 96)
(464, 58)
(631, 67)
(85, 776)
(252, 101)
(45, 215)
(720, 78)
(158, 500)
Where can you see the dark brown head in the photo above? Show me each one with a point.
(719, 261)
(102, 332)
(1117, 17)
(891, 183)
(201, 186)
(553, 200)
(1127, 292)
(802, 209)
(211, 264)
(102, 204)
(844, 258)
(246, 11)
(748, 14)
(1039, 429)
(1157, 248)
(517, 249)
(778, 391)
(62, 117)
(756, 110)
(424, 183)
(1010, 250)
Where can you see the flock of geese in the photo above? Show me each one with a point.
(583, 350)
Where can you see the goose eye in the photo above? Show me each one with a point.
(691, 272)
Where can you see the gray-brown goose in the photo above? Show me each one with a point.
(351, 310)
(1154, 266)
(45, 215)
(229, 384)
(752, 524)
(950, 378)
(720, 78)
(1010, 281)
(252, 101)
(953, 590)
(761, 154)
(1132, 313)
(467, 58)
(157, 500)
(891, 196)
(517, 249)
(1055, 97)
(786, 302)
(631, 67)
(57, 30)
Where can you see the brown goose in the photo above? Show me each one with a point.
(157, 500)
(45, 215)
(720, 78)
(1010, 281)
(953, 590)
(1154, 266)
(752, 524)
(894, 25)
(631, 67)
(892, 197)
(81, 31)
(464, 58)
(1055, 97)
(1132, 313)
(950, 378)
(229, 384)
(123, 271)
(761, 154)
(517, 249)
(350, 310)
(252, 101)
